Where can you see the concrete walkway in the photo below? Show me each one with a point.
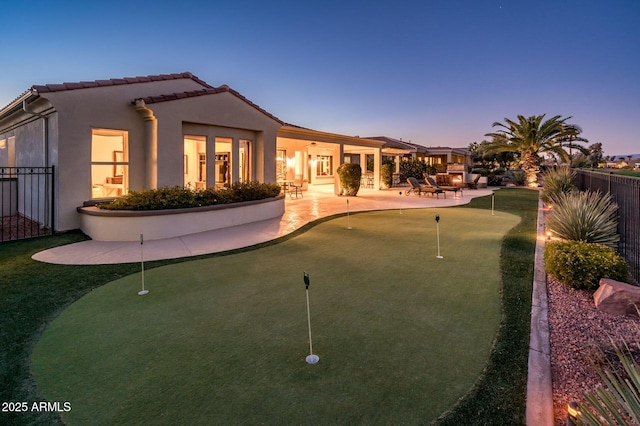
(539, 384)
(315, 204)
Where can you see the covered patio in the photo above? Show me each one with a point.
(312, 158)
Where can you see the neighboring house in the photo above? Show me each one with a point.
(107, 137)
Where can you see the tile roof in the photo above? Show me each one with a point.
(210, 90)
(115, 82)
(396, 143)
(207, 90)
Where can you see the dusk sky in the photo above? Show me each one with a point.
(435, 72)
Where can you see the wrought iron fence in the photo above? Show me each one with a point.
(625, 191)
(26, 194)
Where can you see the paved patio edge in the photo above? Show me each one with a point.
(539, 411)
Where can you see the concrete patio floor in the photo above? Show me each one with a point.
(315, 204)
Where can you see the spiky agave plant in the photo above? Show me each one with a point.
(586, 216)
(618, 401)
(556, 181)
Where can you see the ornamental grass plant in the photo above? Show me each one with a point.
(589, 217)
(557, 181)
(618, 401)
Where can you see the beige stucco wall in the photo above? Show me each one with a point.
(216, 115)
(79, 111)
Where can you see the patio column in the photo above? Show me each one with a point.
(211, 160)
(377, 165)
(235, 159)
(150, 144)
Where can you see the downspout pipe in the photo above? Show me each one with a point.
(150, 143)
(46, 130)
(45, 121)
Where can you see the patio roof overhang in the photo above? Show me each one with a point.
(300, 133)
(395, 151)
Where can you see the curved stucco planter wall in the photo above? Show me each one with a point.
(127, 225)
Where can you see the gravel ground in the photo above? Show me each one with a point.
(575, 326)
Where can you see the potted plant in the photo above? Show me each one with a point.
(350, 175)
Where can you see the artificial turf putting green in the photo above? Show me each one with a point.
(401, 335)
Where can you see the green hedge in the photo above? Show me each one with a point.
(386, 174)
(581, 265)
(179, 198)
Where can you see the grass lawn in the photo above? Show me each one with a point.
(631, 173)
(401, 335)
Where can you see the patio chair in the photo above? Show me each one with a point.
(416, 188)
(428, 180)
(295, 187)
(474, 183)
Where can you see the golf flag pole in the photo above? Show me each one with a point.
(348, 220)
(493, 202)
(438, 234)
(311, 359)
(143, 291)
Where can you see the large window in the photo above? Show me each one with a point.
(109, 163)
(324, 165)
(223, 162)
(195, 162)
(8, 152)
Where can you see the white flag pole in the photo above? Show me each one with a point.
(143, 291)
(438, 234)
(311, 358)
(493, 201)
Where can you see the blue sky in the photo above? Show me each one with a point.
(436, 72)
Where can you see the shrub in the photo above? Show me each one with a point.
(555, 182)
(581, 265)
(493, 180)
(480, 171)
(178, 197)
(386, 174)
(588, 216)
(516, 176)
(350, 175)
(413, 168)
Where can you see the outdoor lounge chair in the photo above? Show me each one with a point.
(428, 180)
(474, 184)
(416, 188)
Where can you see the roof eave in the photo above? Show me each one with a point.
(16, 104)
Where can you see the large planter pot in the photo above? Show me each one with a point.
(127, 225)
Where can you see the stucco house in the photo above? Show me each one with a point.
(107, 137)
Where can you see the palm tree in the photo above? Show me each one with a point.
(531, 136)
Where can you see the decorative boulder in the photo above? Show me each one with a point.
(617, 298)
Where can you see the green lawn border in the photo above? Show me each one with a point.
(32, 294)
